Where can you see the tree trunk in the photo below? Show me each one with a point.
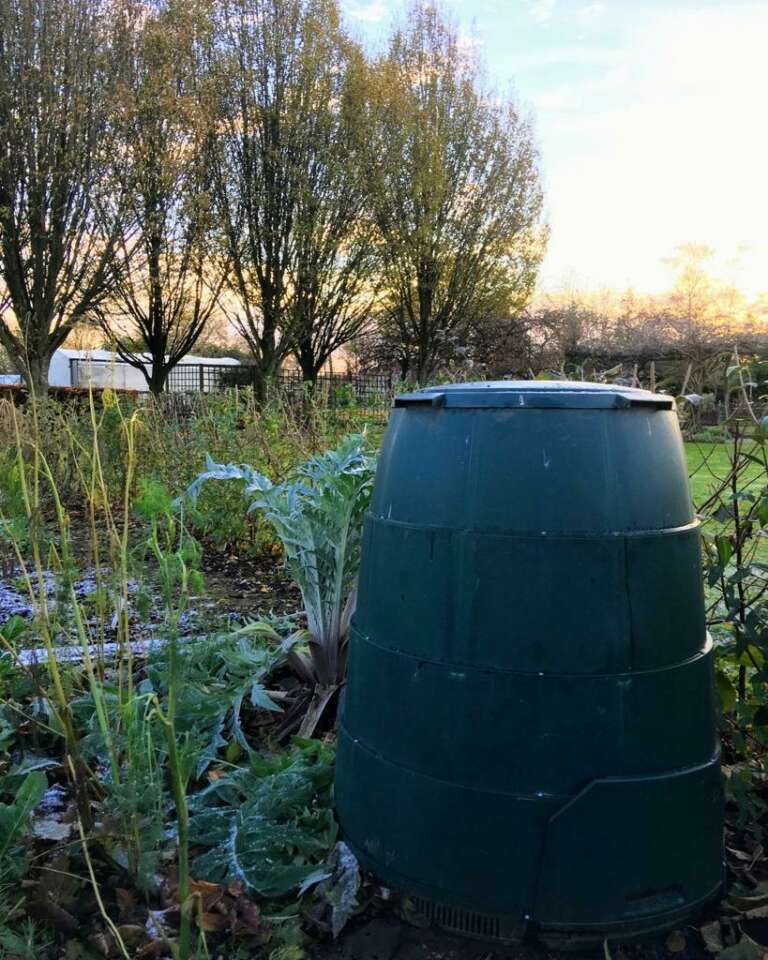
(265, 369)
(308, 365)
(426, 364)
(157, 379)
(35, 373)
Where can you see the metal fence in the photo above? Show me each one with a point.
(203, 377)
(338, 391)
(364, 391)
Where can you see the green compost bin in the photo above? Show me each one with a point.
(528, 736)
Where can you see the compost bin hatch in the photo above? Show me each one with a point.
(528, 736)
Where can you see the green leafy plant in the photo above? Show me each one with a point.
(217, 675)
(268, 825)
(26, 787)
(732, 480)
(14, 524)
(318, 517)
(14, 821)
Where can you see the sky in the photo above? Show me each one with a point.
(652, 121)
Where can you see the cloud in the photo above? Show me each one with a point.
(541, 10)
(592, 10)
(373, 12)
(663, 147)
(561, 98)
(564, 55)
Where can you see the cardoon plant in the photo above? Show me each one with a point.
(318, 516)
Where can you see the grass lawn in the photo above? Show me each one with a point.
(708, 465)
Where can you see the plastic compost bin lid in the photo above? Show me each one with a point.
(535, 394)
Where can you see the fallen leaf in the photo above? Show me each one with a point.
(210, 893)
(248, 920)
(155, 948)
(101, 943)
(50, 912)
(676, 942)
(56, 881)
(126, 901)
(132, 934)
(712, 936)
(212, 922)
(739, 854)
(745, 904)
(745, 949)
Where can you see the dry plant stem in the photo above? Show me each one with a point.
(119, 535)
(129, 429)
(168, 720)
(743, 386)
(59, 702)
(742, 682)
(89, 485)
(97, 893)
(178, 789)
(95, 488)
(83, 638)
(96, 493)
(738, 531)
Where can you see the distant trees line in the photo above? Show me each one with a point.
(168, 162)
(693, 328)
(645, 342)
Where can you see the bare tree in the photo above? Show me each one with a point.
(57, 201)
(333, 270)
(287, 194)
(166, 288)
(454, 191)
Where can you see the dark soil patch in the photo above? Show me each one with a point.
(251, 586)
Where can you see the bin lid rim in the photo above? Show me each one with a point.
(535, 393)
(525, 386)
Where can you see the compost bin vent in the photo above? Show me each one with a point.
(467, 923)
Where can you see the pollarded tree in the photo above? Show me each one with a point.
(166, 287)
(454, 191)
(333, 271)
(287, 189)
(57, 201)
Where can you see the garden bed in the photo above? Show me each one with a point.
(196, 625)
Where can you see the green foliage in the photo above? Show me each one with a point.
(22, 788)
(137, 805)
(14, 820)
(14, 526)
(141, 739)
(268, 825)
(25, 941)
(175, 553)
(730, 485)
(173, 435)
(216, 677)
(318, 517)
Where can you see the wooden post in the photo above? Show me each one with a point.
(653, 376)
(687, 378)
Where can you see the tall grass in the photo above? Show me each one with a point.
(86, 447)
